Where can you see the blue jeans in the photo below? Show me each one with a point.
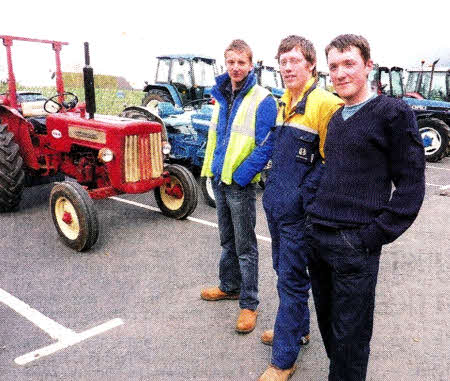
(238, 267)
(343, 280)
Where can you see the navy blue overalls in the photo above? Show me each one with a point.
(296, 150)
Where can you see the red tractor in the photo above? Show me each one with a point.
(106, 155)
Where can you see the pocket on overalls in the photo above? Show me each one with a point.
(307, 147)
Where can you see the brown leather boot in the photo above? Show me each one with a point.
(246, 321)
(274, 373)
(267, 338)
(215, 293)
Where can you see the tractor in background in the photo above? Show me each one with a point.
(187, 121)
(105, 155)
(428, 93)
(270, 78)
(183, 80)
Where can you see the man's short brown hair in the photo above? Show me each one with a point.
(240, 46)
(346, 41)
(305, 46)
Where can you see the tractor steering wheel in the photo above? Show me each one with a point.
(197, 103)
(57, 107)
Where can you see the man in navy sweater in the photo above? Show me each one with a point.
(372, 143)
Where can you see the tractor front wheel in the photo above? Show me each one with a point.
(157, 95)
(177, 199)
(207, 190)
(74, 215)
(11, 172)
(435, 137)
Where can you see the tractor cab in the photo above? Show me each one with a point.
(323, 81)
(387, 81)
(182, 80)
(429, 83)
(270, 78)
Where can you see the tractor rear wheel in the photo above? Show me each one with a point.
(207, 190)
(435, 137)
(179, 198)
(74, 215)
(158, 95)
(11, 172)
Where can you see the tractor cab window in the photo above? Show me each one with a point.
(181, 72)
(373, 79)
(268, 78)
(411, 83)
(279, 79)
(425, 84)
(204, 73)
(438, 87)
(448, 85)
(384, 81)
(397, 83)
(162, 73)
(322, 82)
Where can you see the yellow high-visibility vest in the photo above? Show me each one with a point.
(242, 135)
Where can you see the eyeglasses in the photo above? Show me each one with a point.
(292, 61)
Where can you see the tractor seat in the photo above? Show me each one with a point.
(35, 108)
(39, 124)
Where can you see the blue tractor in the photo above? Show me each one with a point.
(428, 94)
(182, 80)
(427, 91)
(187, 121)
(270, 78)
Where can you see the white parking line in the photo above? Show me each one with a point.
(65, 336)
(55, 330)
(434, 185)
(193, 219)
(67, 342)
(432, 167)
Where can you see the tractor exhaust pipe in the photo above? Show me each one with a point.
(89, 88)
(431, 77)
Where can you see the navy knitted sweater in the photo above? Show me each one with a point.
(378, 146)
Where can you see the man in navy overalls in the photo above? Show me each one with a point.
(296, 165)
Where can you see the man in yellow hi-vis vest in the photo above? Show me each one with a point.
(239, 146)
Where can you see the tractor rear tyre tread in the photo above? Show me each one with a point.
(158, 95)
(77, 197)
(178, 208)
(11, 173)
(440, 128)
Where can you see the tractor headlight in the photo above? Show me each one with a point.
(166, 148)
(105, 155)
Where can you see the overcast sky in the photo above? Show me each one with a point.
(125, 36)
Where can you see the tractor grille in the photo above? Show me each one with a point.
(143, 157)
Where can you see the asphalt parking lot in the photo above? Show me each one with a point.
(129, 309)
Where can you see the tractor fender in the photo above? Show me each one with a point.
(170, 89)
(20, 127)
(151, 114)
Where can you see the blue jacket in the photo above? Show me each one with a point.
(296, 160)
(265, 120)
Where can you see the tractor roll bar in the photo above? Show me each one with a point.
(57, 45)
